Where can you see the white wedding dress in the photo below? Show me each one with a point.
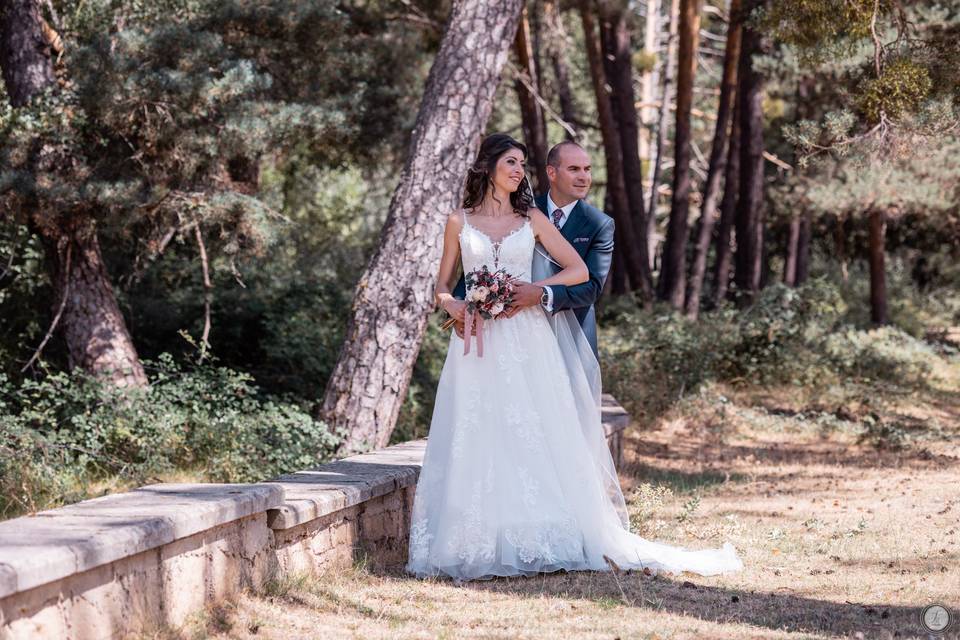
(517, 477)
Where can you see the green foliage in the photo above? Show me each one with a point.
(885, 353)
(170, 115)
(900, 90)
(64, 431)
(24, 290)
(644, 61)
(797, 336)
(649, 360)
(816, 24)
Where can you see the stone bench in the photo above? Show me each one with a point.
(147, 559)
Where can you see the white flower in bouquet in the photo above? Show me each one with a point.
(479, 293)
(496, 309)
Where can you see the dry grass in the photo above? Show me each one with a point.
(839, 539)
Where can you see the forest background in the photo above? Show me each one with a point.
(192, 191)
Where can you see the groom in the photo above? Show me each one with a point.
(586, 228)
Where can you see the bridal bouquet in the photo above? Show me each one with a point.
(489, 293)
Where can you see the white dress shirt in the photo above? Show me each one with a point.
(551, 207)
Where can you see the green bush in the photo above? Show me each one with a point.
(652, 358)
(801, 336)
(64, 431)
(885, 353)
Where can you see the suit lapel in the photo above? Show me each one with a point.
(574, 224)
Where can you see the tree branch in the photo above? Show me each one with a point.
(59, 314)
(207, 292)
(523, 79)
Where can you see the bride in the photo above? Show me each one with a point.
(517, 477)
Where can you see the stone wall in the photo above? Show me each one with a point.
(150, 558)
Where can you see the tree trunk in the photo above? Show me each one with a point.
(662, 128)
(395, 293)
(556, 41)
(617, 280)
(763, 252)
(616, 45)
(803, 250)
(840, 246)
(24, 52)
(728, 209)
(531, 113)
(793, 252)
(806, 110)
(648, 79)
(747, 271)
(718, 161)
(85, 306)
(673, 270)
(627, 240)
(91, 322)
(878, 278)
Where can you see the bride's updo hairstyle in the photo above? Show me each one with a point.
(480, 175)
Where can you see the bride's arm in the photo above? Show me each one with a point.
(574, 269)
(448, 265)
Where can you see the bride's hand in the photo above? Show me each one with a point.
(456, 309)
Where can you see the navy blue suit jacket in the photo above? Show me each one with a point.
(590, 232)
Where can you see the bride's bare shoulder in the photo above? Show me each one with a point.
(455, 221)
(536, 217)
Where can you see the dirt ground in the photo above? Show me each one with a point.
(846, 513)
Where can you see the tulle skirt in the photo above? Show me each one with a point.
(517, 477)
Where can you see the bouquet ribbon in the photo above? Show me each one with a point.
(472, 320)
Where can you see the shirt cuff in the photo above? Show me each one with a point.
(549, 303)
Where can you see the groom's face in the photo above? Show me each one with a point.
(571, 178)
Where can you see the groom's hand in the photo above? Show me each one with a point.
(526, 295)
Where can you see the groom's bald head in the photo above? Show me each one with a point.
(555, 153)
(568, 169)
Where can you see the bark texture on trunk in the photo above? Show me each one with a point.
(617, 50)
(25, 53)
(803, 250)
(395, 293)
(878, 276)
(728, 210)
(748, 218)
(626, 234)
(793, 248)
(617, 280)
(718, 162)
(663, 119)
(531, 113)
(649, 79)
(806, 110)
(673, 271)
(92, 325)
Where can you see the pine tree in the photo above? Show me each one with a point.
(165, 126)
(901, 60)
(390, 310)
(674, 270)
(86, 310)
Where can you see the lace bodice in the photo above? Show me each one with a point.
(514, 252)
